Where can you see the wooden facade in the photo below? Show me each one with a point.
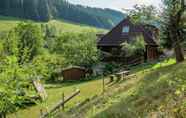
(74, 73)
(152, 52)
(125, 31)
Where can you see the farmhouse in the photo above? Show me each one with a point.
(126, 31)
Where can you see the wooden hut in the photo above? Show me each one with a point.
(74, 73)
(125, 31)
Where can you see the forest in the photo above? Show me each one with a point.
(45, 10)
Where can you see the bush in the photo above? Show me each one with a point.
(45, 65)
(136, 46)
(25, 41)
(77, 48)
(12, 81)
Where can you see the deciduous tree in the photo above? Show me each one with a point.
(172, 27)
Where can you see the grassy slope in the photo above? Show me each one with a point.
(161, 92)
(7, 23)
(54, 91)
(157, 92)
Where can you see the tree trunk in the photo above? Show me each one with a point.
(178, 53)
(2, 115)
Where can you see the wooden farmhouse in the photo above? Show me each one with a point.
(111, 43)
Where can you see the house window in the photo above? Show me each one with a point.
(125, 29)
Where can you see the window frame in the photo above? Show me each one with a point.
(126, 29)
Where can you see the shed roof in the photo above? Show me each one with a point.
(74, 67)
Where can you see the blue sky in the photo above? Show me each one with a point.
(116, 4)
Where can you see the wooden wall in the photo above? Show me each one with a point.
(74, 74)
(152, 53)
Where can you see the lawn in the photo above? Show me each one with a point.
(7, 23)
(65, 26)
(87, 89)
(160, 91)
(113, 95)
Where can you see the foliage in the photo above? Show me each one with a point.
(27, 53)
(19, 47)
(45, 65)
(13, 79)
(108, 68)
(170, 10)
(25, 42)
(136, 46)
(172, 26)
(144, 14)
(77, 48)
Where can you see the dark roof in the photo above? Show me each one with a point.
(74, 67)
(116, 37)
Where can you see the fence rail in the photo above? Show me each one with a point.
(61, 103)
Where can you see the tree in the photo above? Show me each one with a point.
(172, 27)
(44, 11)
(25, 42)
(144, 14)
(12, 80)
(77, 48)
(135, 47)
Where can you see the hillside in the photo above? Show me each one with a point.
(158, 91)
(45, 10)
(60, 25)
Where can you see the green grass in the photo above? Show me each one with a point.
(87, 89)
(64, 26)
(157, 91)
(7, 23)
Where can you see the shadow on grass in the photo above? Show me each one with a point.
(60, 84)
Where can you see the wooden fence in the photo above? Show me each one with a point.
(60, 104)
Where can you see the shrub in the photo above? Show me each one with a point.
(136, 46)
(45, 65)
(77, 48)
(25, 41)
(12, 81)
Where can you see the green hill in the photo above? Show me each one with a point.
(7, 23)
(45, 10)
(158, 91)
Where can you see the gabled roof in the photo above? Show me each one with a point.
(116, 37)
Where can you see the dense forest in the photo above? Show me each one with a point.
(44, 10)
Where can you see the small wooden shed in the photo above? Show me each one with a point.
(74, 73)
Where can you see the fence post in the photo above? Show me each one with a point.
(103, 85)
(63, 99)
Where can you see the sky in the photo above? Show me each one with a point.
(116, 4)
